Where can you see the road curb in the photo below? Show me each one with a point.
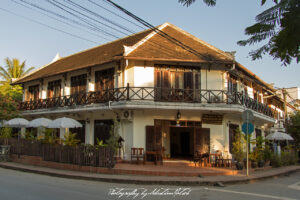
(149, 182)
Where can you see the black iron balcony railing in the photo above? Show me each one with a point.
(149, 94)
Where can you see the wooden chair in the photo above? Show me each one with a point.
(137, 154)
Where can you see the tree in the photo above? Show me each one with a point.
(8, 107)
(13, 69)
(279, 24)
(294, 128)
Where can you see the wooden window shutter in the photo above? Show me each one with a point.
(158, 138)
(150, 138)
(166, 79)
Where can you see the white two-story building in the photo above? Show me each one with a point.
(165, 96)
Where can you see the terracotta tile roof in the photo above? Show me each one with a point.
(161, 48)
(144, 45)
(94, 56)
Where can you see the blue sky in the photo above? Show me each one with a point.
(221, 26)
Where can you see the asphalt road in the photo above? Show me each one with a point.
(15, 185)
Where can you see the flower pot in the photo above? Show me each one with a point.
(239, 166)
(253, 164)
(260, 163)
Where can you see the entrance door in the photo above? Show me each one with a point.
(181, 141)
(202, 140)
(185, 144)
(232, 132)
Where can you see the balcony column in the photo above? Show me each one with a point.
(89, 132)
(62, 132)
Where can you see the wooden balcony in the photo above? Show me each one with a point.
(149, 94)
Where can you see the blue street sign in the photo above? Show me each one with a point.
(247, 128)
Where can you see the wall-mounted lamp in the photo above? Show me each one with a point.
(228, 123)
(178, 115)
(87, 120)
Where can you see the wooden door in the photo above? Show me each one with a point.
(201, 140)
(153, 138)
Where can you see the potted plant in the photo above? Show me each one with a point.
(238, 149)
(253, 157)
(5, 134)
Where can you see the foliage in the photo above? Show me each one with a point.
(29, 135)
(267, 153)
(49, 138)
(286, 158)
(100, 143)
(189, 2)
(70, 139)
(13, 91)
(114, 136)
(293, 128)
(8, 107)
(280, 25)
(238, 146)
(5, 133)
(13, 69)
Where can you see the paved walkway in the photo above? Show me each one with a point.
(161, 180)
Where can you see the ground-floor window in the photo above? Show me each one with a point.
(102, 129)
(258, 132)
(80, 132)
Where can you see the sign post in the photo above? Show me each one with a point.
(247, 128)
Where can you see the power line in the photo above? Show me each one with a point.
(37, 22)
(58, 19)
(160, 32)
(99, 16)
(115, 14)
(64, 17)
(67, 8)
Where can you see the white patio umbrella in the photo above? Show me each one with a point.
(39, 122)
(64, 122)
(17, 123)
(279, 136)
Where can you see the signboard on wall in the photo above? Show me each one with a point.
(212, 119)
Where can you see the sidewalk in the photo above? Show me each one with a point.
(159, 180)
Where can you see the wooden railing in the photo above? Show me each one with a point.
(78, 155)
(149, 94)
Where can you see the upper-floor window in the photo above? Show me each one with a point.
(104, 79)
(232, 84)
(54, 89)
(78, 84)
(177, 78)
(33, 92)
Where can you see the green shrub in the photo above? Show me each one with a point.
(5, 133)
(70, 139)
(275, 160)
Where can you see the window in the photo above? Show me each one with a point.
(102, 129)
(33, 93)
(78, 84)
(258, 132)
(54, 89)
(104, 79)
(80, 132)
(232, 84)
(177, 78)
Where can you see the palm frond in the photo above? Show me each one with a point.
(187, 3)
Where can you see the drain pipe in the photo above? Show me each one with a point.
(109, 106)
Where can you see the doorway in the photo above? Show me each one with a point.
(182, 142)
